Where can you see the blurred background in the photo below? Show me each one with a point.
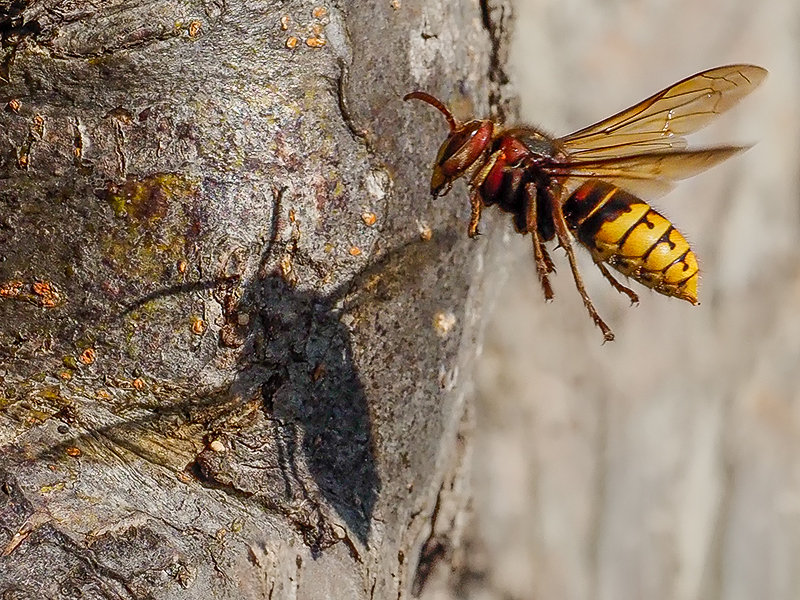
(665, 464)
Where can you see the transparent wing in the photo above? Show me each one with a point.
(648, 174)
(658, 123)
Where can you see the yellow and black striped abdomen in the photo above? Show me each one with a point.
(621, 230)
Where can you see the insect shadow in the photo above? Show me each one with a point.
(301, 361)
(294, 422)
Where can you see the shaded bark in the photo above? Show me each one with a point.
(218, 376)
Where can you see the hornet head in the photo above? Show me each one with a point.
(464, 145)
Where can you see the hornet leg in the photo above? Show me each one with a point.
(562, 232)
(475, 196)
(543, 263)
(475, 214)
(617, 285)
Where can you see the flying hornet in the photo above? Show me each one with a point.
(587, 185)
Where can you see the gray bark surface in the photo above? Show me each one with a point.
(218, 378)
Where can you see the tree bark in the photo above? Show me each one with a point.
(236, 333)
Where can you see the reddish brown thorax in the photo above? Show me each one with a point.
(512, 151)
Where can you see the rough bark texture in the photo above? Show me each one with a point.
(218, 378)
